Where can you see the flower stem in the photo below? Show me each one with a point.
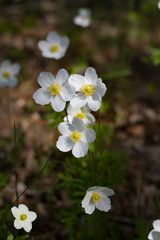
(15, 156)
(99, 129)
(66, 113)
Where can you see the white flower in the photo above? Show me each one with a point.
(55, 46)
(158, 5)
(23, 217)
(97, 197)
(155, 233)
(83, 18)
(90, 89)
(55, 90)
(83, 113)
(8, 72)
(75, 137)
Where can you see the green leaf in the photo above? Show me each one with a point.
(10, 237)
(22, 237)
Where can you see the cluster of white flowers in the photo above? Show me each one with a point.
(8, 72)
(155, 233)
(84, 93)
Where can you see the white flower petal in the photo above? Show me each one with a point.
(53, 37)
(89, 119)
(27, 226)
(62, 76)
(18, 223)
(89, 209)
(12, 81)
(23, 208)
(150, 237)
(43, 45)
(156, 225)
(15, 211)
(72, 111)
(68, 92)
(86, 199)
(66, 128)
(64, 144)
(91, 75)
(84, 12)
(5, 63)
(90, 135)
(107, 191)
(79, 125)
(79, 101)
(41, 97)
(57, 103)
(31, 216)
(45, 79)
(94, 102)
(80, 149)
(104, 204)
(15, 68)
(100, 88)
(65, 42)
(156, 235)
(77, 81)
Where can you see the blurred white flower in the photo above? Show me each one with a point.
(83, 18)
(158, 4)
(155, 233)
(23, 217)
(8, 72)
(55, 46)
(90, 89)
(83, 113)
(97, 197)
(55, 90)
(75, 137)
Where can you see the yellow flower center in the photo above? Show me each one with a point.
(96, 197)
(80, 115)
(75, 136)
(55, 48)
(55, 89)
(23, 217)
(6, 74)
(85, 18)
(88, 89)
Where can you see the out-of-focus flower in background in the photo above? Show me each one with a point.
(75, 137)
(158, 4)
(83, 113)
(8, 72)
(54, 46)
(155, 233)
(97, 197)
(55, 90)
(83, 18)
(23, 217)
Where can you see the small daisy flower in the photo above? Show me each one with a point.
(97, 197)
(83, 18)
(90, 89)
(23, 217)
(54, 46)
(75, 137)
(8, 72)
(55, 90)
(155, 233)
(83, 113)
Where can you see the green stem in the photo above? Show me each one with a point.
(99, 129)
(15, 156)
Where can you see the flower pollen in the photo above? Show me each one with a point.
(23, 217)
(88, 89)
(6, 74)
(55, 89)
(96, 197)
(54, 48)
(80, 115)
(75, 136)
